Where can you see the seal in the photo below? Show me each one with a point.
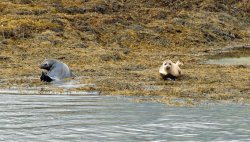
(170, 70)
(55, 70)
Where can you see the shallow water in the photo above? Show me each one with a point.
(230, 61)
(103, 118)
(238, 57)
(51, 88)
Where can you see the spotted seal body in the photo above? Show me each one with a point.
(170, 70)
(56, 70)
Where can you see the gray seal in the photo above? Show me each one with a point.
(56, 70)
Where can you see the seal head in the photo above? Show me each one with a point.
(47, 64)
(170, 70)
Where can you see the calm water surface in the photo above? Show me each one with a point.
(58, 118)
(230, 61)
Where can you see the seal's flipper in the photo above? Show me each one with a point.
(168, 77)
(45, 77)
(72, 74)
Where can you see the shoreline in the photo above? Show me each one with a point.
(120, 45)
(210, 83)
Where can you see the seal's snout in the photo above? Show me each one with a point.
(45, 66)
(168, 65)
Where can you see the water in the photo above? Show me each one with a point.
(51, 89)
(241, 57)
(230, 61)
(72, 118)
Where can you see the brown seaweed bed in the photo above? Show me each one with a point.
(200, 82)
(118, 47)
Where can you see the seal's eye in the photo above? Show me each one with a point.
(166, 64)
(170, 64)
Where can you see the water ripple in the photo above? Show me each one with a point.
(103, 118)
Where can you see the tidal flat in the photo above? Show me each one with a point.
(119, 46)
